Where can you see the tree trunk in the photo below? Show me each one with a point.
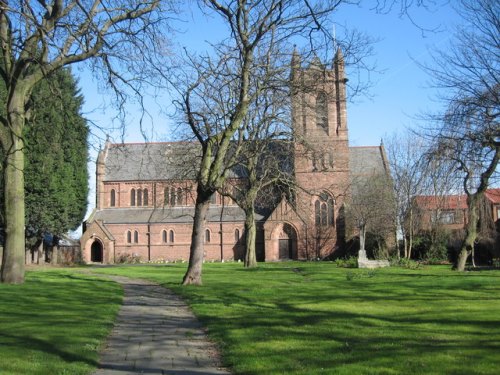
(467, 246)
(250, 235)
(54, 255)
(362, 236)
(40, 253)
(193, 273)
(14, 249)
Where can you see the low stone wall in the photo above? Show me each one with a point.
(364, 262)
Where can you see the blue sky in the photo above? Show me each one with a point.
(396, 97)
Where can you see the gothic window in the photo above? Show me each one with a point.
(171, 236)
(112, 198)
(317, 212)
(136, 236)
(179, 196)
(236, 235)
(129, 237)
(173, 200)
(324, 210)
(145, 198)
(164, 236)
(166, 196)
(132, 197)
(207, 236)
(139, 197)
(322, 111)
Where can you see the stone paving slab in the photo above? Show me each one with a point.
(156, 333)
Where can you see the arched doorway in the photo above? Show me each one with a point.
(287, 242)
(96, 252)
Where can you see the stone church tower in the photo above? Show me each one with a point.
(321, 154)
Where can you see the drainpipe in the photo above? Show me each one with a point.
(220, 229)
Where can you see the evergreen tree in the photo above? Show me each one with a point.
(56, 175)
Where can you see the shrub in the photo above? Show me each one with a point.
(128, 258)
(351, 262)
(407, 263)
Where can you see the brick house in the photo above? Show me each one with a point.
(450, 212)
(145, 194)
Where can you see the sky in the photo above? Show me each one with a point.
(398, 94)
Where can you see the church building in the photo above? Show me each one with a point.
(145, 194)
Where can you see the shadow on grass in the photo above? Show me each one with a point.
(63, 316)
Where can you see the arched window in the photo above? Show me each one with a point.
(166, 196)
(236, 235)
(112, 200)
(179, 196)
(172, 197)
(171, 236)
(322, 111)
(145, 198)
(207, 235)
(132, 197)
(139, 197)
(129, 237)
(136, 236)
(317, 212)
(324, 210)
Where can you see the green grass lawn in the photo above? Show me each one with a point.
(55, 322)
(314, 318)
(282, 318)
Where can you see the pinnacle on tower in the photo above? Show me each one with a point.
(295, 64)
(339, 65)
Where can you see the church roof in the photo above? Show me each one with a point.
(168, 215)
(179, 160)
(151, 161)
(367, 161)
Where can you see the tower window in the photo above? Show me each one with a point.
(145, 198)
(322, 111)
(324, 210)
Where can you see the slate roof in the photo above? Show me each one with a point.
(179, 160)
(367, 160)
(151, 161)
(167, 215)
(168, 161)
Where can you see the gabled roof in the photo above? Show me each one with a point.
(445, 202)
(151, 161)
(367, 161)
(493, 195)
(452, 202)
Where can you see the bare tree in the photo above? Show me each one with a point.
(467, 132)
(371, 208)
(39, 37)
(409, 171)
(248, 64)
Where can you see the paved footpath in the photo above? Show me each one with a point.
(156, 333)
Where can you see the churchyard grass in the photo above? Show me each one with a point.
(55, 322)
(315, 318)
